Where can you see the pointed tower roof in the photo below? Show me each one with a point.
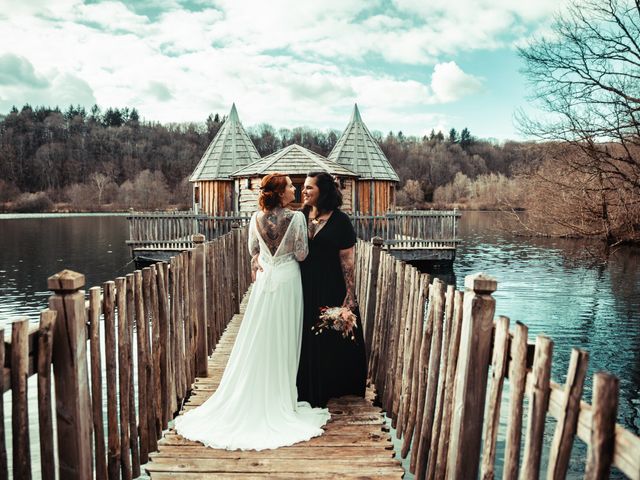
(358, 150)
(293, 160)
(229, 150)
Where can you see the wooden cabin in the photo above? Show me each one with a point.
(295, 161)
(214, 190)
(357, 150)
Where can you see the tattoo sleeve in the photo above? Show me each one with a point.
(347, 262)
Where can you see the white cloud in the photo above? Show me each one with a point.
(284, 62)
(110, 16)
(450, 83)
(17, 70)
(68, 89)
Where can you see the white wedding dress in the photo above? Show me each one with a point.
(255, 407)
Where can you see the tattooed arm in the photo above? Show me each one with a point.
(254, 248)
(255, 266)
(347, 262)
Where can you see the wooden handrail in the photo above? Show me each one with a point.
(455, 450)
(32, 346)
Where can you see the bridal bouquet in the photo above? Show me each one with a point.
(341, 319)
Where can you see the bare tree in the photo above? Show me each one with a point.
(587, 77)
(100, 181)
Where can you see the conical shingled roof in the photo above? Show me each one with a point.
(293, 160)
(359, 151)
(229, 150)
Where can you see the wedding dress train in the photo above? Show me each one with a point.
(255, 407)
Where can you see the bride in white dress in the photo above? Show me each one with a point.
(255, 407)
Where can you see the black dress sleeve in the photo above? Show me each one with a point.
(345, 235)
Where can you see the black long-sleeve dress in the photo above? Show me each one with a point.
(330, 366)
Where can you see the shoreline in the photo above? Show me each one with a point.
(12, 216)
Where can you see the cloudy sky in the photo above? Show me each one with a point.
(411, 65)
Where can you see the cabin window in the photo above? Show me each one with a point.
(196, 194)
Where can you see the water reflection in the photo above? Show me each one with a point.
(31, 249)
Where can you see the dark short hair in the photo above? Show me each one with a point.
(271, 187)
(330, 197)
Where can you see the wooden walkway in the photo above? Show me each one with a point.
(356, 442)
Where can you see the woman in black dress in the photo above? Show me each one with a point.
(330, 365)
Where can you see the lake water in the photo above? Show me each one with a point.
(551, 285)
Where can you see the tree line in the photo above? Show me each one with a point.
(95, 158)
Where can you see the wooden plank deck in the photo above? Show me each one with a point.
(356, 442)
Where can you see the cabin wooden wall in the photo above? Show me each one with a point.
(375, 197)
(347, 195)
(216, 196)
(372, 197)
(248, 189)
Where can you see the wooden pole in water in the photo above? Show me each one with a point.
(471, 377)
(73, 405)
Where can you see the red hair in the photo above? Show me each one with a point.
(271, 187)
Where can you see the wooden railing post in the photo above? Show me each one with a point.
(603, 426)
(471, 377)
(45, 345)
(19, 403)
(372, 291)
(4, 468)
(73, 405)
(235, 235)
(200, 288)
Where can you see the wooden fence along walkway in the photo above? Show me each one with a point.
(173, 231)
(439, 377)
(159, 326)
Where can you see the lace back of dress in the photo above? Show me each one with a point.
(278, 234)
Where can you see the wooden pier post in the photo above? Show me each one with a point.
(200, 291)
(471, 377)
(73, 405)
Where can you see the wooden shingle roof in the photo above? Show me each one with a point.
(229, 150)
(357, 150)
(293, 160)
